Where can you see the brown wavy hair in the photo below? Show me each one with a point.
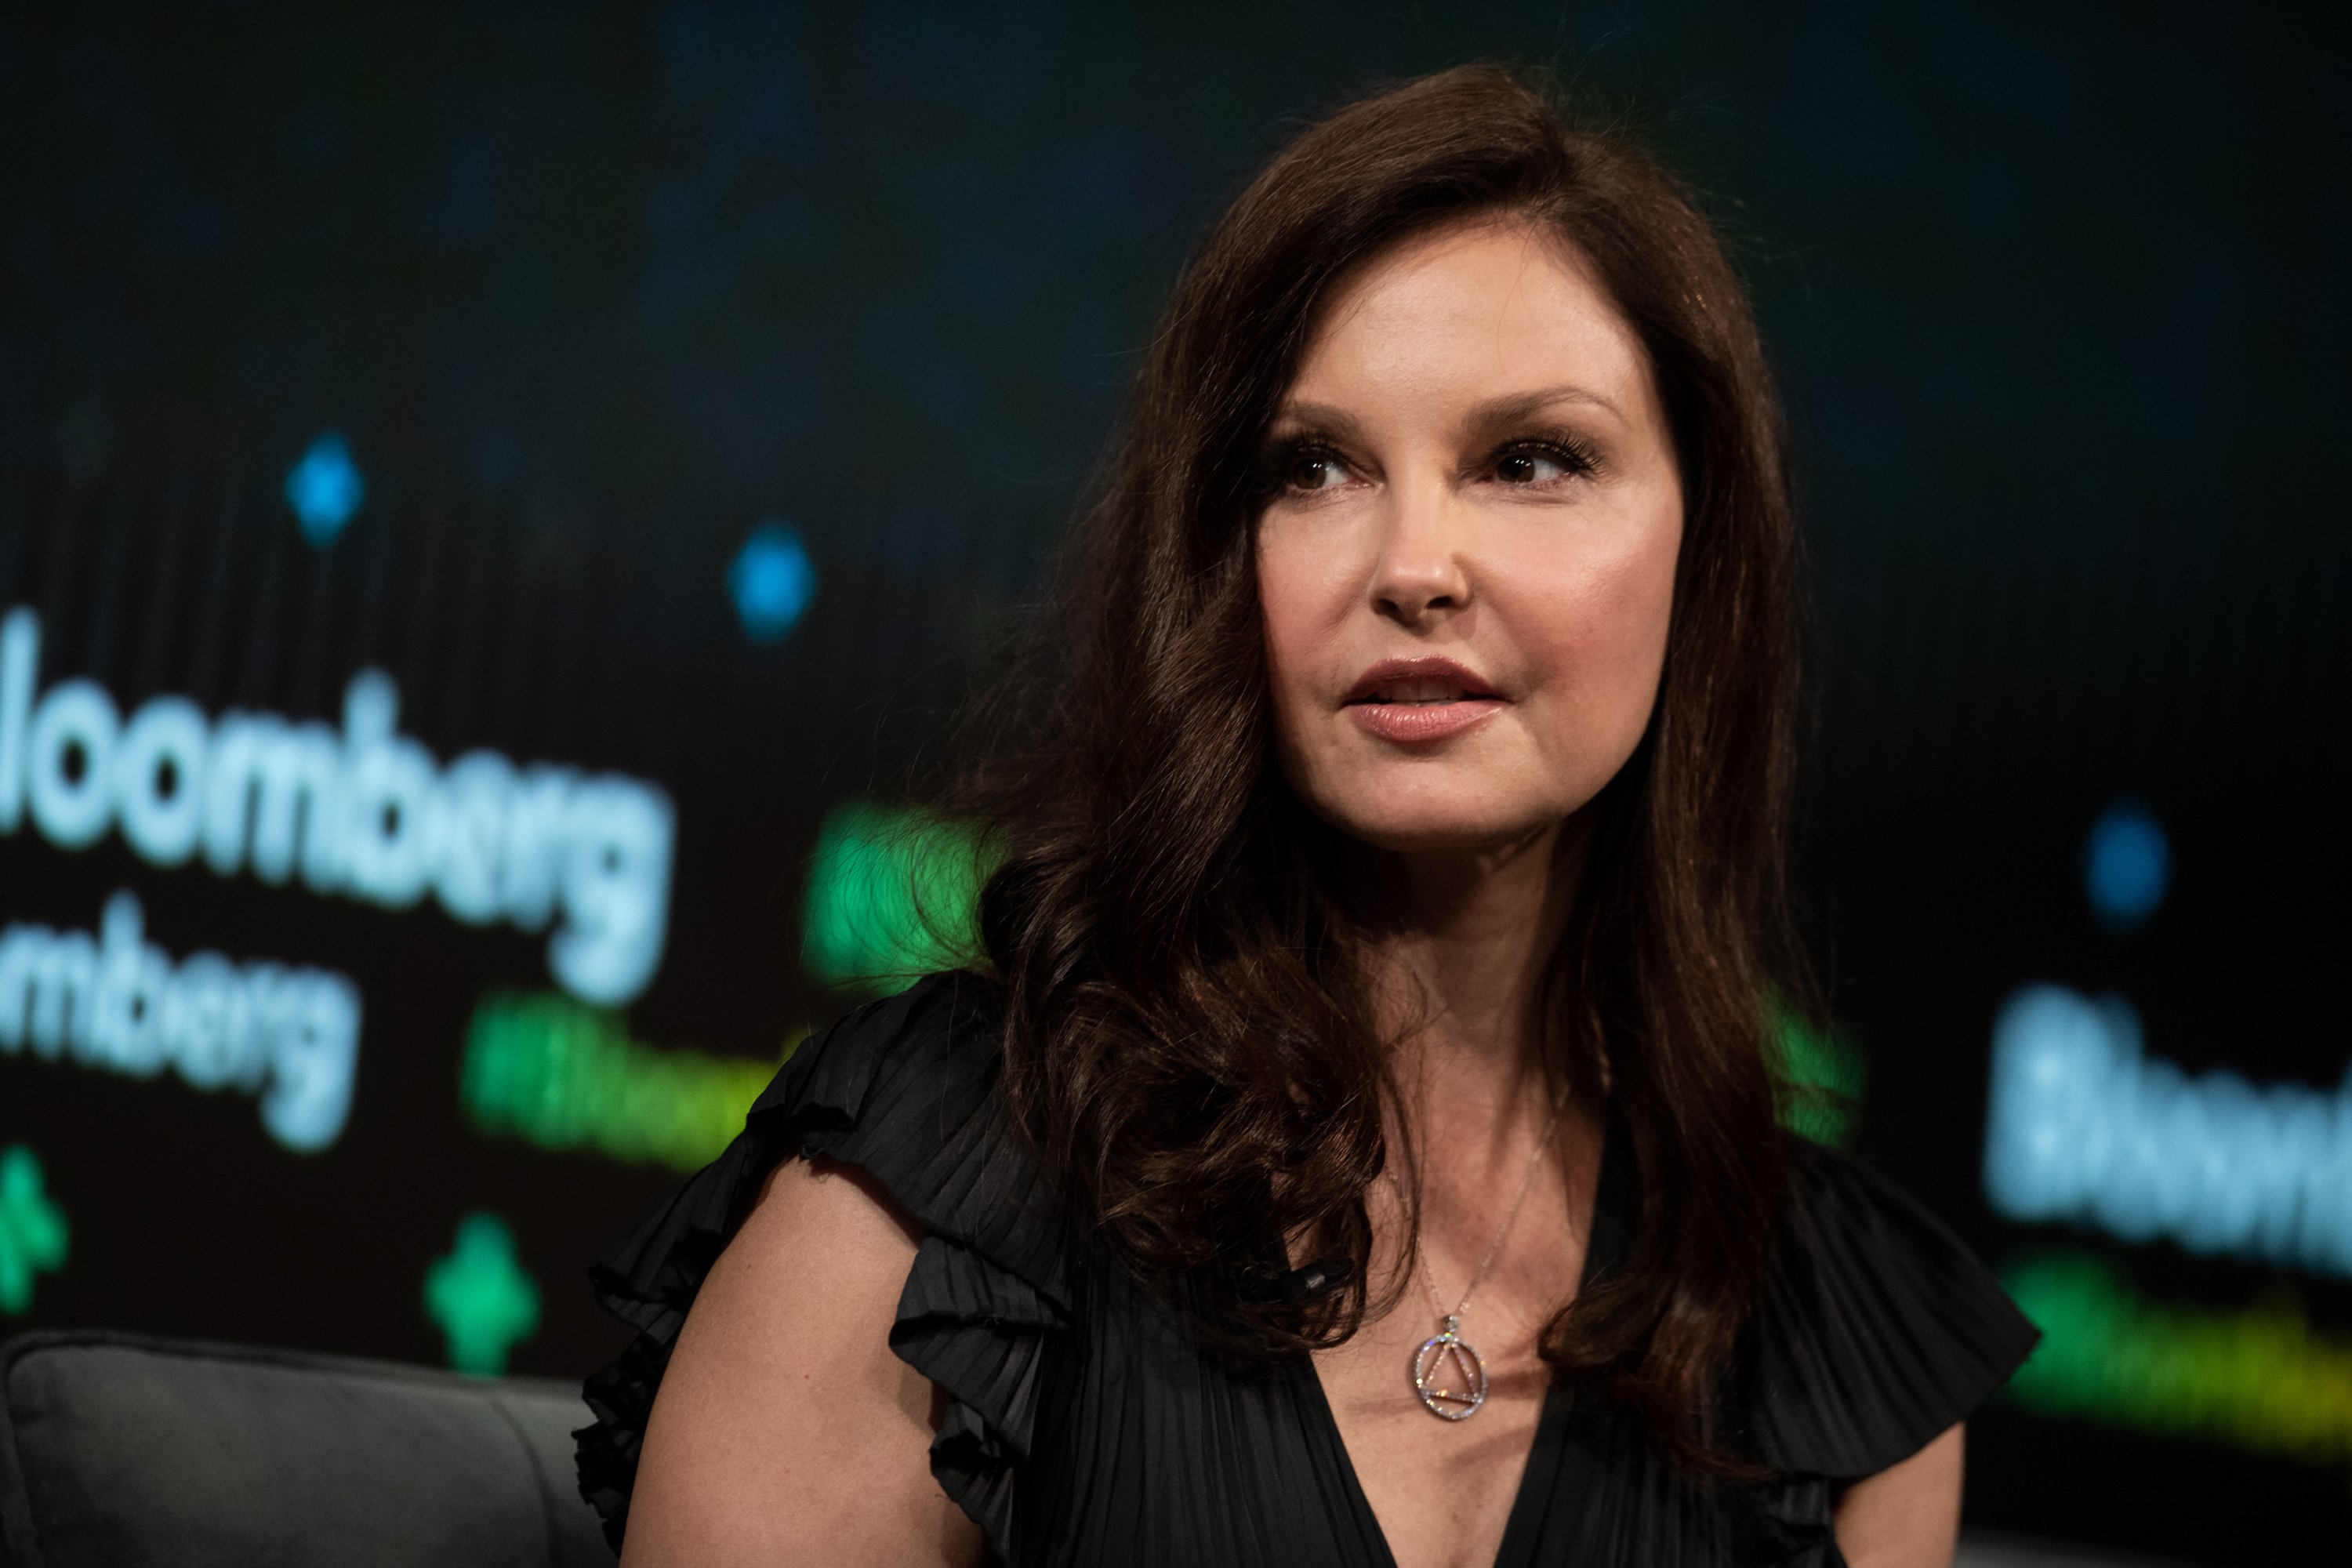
(1188, 1038)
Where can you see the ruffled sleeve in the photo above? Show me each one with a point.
(1878, 1328)
(906, 1089)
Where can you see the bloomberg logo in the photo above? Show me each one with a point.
(365, 813)
(290, 1036)
(2084, 1127)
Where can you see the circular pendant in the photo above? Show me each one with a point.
(1448, 1374)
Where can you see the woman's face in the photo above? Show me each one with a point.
(1467, 566)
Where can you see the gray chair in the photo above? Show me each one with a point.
(124, 1451)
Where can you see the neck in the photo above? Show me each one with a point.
(1456, 980)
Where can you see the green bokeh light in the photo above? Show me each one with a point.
(33, 1235)
(1821, 1074)
(555, 1072)
(481, 1297)
(891, 895)
(2257, 1378)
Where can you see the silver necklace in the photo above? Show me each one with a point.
(1447, 1371)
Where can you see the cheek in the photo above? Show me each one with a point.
(1302, 603)
(1597, 634)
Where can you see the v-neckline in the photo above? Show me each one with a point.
(1603, 1246)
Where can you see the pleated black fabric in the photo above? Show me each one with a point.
(1082, 1425)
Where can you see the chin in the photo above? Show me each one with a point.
(1425, 828)
(1432, 805)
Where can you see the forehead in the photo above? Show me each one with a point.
(1471, 309)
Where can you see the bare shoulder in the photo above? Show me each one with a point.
(1907, 1515)
(785, 1430)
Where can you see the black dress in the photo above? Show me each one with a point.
(1082, 1428)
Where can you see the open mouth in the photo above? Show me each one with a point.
(1420, 683)
(1420, 701)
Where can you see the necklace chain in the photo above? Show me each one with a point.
(1527, 1184)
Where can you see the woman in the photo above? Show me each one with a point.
(1358, 1145)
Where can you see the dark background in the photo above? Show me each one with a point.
(2058, 297)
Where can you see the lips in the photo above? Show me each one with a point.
(1415, 701)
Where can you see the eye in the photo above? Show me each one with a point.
(1314, 469)
(1538, 463)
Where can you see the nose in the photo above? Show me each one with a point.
(1420, 574)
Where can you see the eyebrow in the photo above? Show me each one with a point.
(1320, 417)
(1525, 404)
(1483, 416)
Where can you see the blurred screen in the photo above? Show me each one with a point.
(493, 504)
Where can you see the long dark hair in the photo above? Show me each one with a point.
(1187, 1038)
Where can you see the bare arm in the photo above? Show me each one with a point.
(1907, 1515)
(785, 1431)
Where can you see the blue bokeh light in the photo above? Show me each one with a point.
(771, 582)
(325, 488)
(2085, 1126)
(2126, 866)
